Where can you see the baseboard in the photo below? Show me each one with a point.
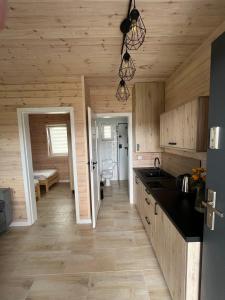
(84, 221)
(64, 181)
(19, 223)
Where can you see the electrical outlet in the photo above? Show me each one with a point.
(139, 157)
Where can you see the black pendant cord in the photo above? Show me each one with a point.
(124, 35)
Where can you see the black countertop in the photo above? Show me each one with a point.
(177, 206)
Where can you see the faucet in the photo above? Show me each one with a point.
(156, 163)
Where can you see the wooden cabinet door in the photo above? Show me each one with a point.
(148, 104)
(170, 249)
(138, 193)
(178, 127)
(163, 130)
(190, 125)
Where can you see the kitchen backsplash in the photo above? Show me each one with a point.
(144, 159)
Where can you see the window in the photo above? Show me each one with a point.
(107, 132)
(57, 140)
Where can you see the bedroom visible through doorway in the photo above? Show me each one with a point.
(48, 154)
(52, 166)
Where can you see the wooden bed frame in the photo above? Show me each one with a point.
(48, 182)
(37, 191)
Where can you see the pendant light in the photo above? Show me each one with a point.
(136, 35)
(122, 93)
(127, 68)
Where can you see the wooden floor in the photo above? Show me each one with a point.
(58, 260)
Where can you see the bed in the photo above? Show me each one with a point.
(46, 177)
(37, 189)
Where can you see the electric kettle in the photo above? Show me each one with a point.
(184, 183)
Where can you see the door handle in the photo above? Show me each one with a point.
(93, 164)
(213, 209)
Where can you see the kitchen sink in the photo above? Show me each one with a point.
(153, 173)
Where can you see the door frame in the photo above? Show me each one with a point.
(130, 147)
(26, 158)
(94, 214)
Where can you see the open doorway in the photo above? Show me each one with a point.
(47, 140)
(115, 153)
(50, 138)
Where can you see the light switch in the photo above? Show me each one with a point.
(139, 157)
(214, 137)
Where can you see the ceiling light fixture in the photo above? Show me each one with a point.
(127, 68)
(137, 31)
(122, 93)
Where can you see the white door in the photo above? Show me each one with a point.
(123, 151)
(93, 166)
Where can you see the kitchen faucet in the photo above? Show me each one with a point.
(156, 163)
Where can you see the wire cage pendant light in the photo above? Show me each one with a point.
(122, 93)
(136, 35)
(127, 68)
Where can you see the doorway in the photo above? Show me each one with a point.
(53, 134)
(115, 151)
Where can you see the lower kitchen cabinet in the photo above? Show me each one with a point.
(179, 260)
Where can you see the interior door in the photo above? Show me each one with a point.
(93, 166)
(213, 260)
(123, 150)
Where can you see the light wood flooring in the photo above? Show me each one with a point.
(56, 259)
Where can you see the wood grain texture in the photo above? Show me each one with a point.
(192, 79)
(177, 164)
(45, 94)
(186, 126)
(39, 144)
(147, 159)
(83, 37)
(147, 105)
(102, 99)
(193, 270)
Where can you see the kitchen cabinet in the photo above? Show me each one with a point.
(179, 260)
(185, 127)
(148, 104)
(138, 194)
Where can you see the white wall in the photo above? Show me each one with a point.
(108, 149)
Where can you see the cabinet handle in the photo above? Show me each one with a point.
(155, 210)
(138, 147)
(147, 201)
(147, 220)
(170, 143)
(147, 191)
(136, 180)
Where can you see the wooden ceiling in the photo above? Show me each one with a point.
(61, 38)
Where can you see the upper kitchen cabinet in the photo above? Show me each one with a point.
(185, 127)
(148, 104)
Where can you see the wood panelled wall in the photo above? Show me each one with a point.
(44, 94)
(39, 144)
(102, 100)
(191, 80)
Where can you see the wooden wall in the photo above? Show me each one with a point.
(42, 94)
(102, 100)
(192, 78)
(39, 144)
